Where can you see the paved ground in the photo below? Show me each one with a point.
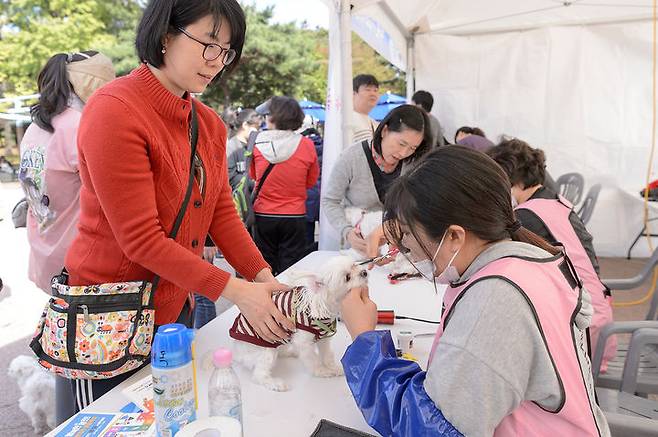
(21, 303)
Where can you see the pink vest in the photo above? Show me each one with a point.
(555, 216)
(555, 303)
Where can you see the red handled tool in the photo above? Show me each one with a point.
(387, 317)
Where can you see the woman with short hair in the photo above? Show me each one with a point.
(136, 140)
(284, 166)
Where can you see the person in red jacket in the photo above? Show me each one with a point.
(134, 159)
(291, 164)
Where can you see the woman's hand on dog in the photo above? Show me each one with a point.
(358, 312)
(357, 242)
(254, 299)
(266, 275)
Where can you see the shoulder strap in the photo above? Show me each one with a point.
(268, 170)
(194, 136)
(251, 143)
(374, 170)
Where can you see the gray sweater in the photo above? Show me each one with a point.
(350, 185)
(492, 356)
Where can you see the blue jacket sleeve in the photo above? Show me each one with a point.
(389, 391)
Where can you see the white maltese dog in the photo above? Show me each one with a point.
(366, 222)
(313, 305)
(37, 392)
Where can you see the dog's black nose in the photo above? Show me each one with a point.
(364, 273)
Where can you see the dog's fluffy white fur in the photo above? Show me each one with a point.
(368, 222)
(37, 392)
(322, 297)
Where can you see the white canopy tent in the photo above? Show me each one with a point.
(571, 77)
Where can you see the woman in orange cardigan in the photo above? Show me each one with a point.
(134, 148)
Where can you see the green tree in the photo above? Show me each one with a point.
(365, 60)
(34, 30)
(277, 59)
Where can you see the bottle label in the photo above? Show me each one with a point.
(173, 395)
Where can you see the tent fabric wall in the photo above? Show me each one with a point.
(581, 93)
(573, 78)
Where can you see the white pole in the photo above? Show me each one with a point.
(411, 67)
(346, 68)
(338, 105)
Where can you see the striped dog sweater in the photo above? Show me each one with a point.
(288, 303)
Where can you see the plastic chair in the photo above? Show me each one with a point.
(570, 186)
(587, 208)
(628, 414)
(647, 373)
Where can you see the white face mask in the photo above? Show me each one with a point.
(427, 268)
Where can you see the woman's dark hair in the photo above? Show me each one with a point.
(285, 113)
(455, 186)
(54, 88)
(523, 164)
(249, 116)
(470, 131)
(163, 17)
(406, 117)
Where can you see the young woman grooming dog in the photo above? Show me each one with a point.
(510, 357)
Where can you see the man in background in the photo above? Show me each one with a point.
(364, 99)
(425, 100)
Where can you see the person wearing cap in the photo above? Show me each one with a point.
(49, 173)
(246, 122)
(284, 165)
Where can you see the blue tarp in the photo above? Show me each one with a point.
(385, 104)
(314, 109)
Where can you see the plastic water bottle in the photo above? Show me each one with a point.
(174, 387)
(224, 394)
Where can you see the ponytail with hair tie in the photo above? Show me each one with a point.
(514, 227)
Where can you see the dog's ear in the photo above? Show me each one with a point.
(336, 278)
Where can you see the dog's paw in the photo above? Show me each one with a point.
(276, 384)
(328, 371)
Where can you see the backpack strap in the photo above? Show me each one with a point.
(251, 143)
(268, 170)
(249, 152)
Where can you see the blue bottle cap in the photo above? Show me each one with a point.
(172, 346)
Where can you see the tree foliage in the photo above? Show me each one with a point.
(34, 30)
(278, 59)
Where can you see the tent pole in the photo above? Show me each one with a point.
(346, 69)
(339, 104)
(411, 66)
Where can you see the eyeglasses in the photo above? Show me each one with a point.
(213, 51)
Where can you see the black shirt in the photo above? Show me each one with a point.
(381, 179)
(530, 221)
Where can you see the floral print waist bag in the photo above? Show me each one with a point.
(103, 330)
